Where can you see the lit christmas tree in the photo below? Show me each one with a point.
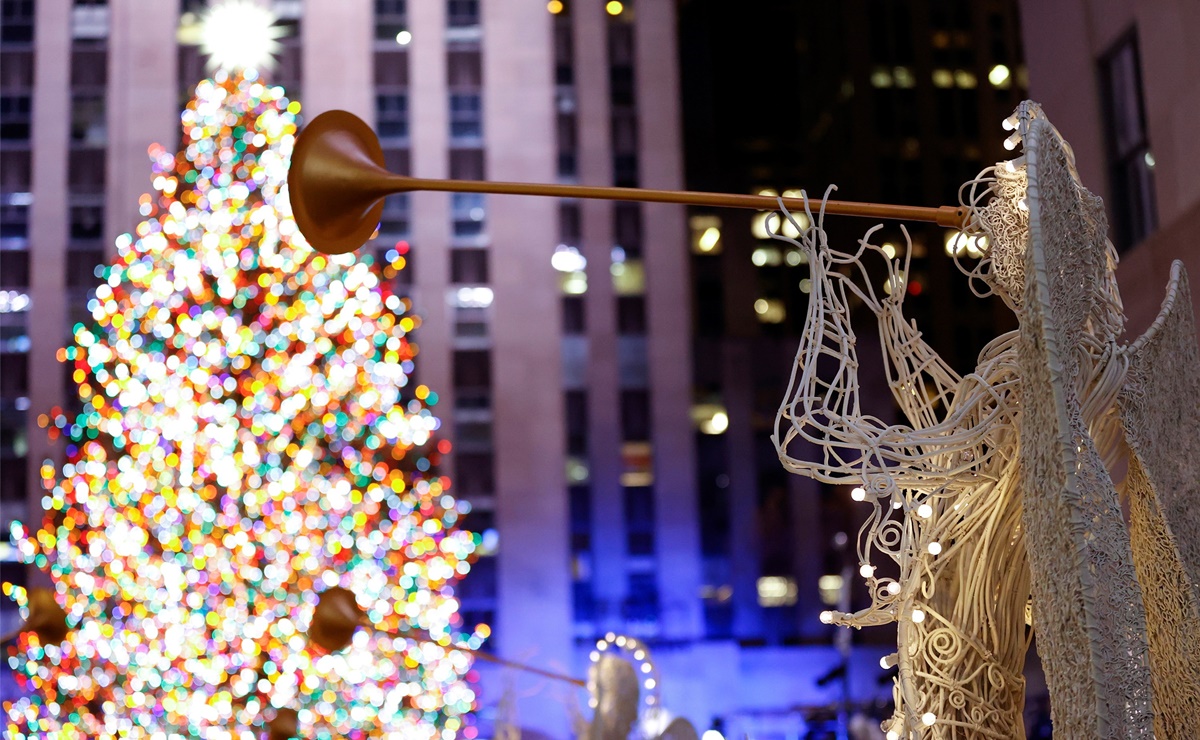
(249, 438)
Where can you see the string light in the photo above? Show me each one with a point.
(249, 438)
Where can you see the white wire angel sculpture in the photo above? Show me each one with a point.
(978, 484)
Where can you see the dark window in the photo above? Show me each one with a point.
(583, 601)
(89, 68)
(464, 69)
(85, 170)
(16, 69)
(627, 228)
(14, 268)
(567, 145)
(635, 415)
(15, 116)
(15, 175)
(16, 21)
(87, 223)
(397, 161)
(471, 321)
(620, 85)
(480, 582)
(466, 164)
(474, 474)
(466, 116)
(569, 223)
(639, 519)
(574, 315)
(394, 220)
(14, 223)
(81, 267)
(577, 422)
(390, 18)
(642, 603)
(391, 114)
(14, 374)
(391, 68)
(14, 475)
(468, 266)
(391, 7)
(461, 13)
(631, 315)
(581, 518)
(88, 124)
(472, 369)
(1135, 213)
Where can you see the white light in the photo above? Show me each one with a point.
(887, 661)
(1010, 123)
(1023, 204)
(918, 616)
(889, 250)
(999, 76)
(240, 34)
(719, 422)
(1011, 142)
(924, 511)
(858, 494)
(928, 718)
(826, 617)
(567, 259)
(893, 735)
(1148, 158)
(650, 683)
(893, 588)
(595, 656)
(404, 38)
(866, 571)
(712, 735)
(935, 548)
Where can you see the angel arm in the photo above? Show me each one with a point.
(822, 403)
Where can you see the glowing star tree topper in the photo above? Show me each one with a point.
(247, 438)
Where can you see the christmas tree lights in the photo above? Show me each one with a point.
(249, 438)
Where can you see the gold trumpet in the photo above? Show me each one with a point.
(338, 181)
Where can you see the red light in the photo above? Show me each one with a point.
(914, 288)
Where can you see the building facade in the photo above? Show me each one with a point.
(1122, 83)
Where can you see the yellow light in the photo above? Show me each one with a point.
(943, 78)
(964, 78)
(614, 7)
(1000, 76)
(555, 6)
(708, 240)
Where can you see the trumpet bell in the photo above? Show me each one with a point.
(337, 182)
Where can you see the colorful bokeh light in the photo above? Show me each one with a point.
(249, 437)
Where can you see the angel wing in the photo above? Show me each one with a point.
(1089, 615)
(1160, 413)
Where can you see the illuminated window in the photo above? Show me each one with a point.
(706, 234)
(710, 418)
(629, 277)
(770, 310)
(776, 591)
